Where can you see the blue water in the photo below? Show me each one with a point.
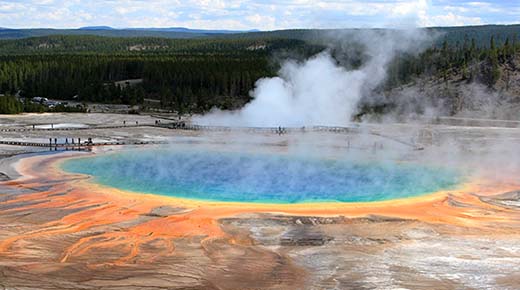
(265, 178)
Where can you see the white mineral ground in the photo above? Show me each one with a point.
(41, 249)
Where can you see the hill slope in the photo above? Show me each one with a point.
(461, 70)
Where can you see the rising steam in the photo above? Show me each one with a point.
(319, 91)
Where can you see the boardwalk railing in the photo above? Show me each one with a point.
(284, 130)
(78, 145)
(276, 130)
(192, 127)
(71, 128)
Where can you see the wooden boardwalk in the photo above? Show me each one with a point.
(276, 130)
(183, 126)
(72, 128)
(76, 145)
(192, 127)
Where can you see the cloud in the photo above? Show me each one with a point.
(249, 14)
(451, 19)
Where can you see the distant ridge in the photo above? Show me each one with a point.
(189, 30)
(168, 32)
(169, 29)
(452, 34)
(96, 28)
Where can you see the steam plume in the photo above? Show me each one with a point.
(319, 91)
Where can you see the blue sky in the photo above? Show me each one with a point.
(250, 14)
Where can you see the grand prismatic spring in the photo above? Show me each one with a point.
(263, 178)
(227, 210)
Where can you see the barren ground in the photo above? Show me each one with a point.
(60, 232)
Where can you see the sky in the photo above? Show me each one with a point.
(251, 14)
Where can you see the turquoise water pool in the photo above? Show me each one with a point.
(262, 178)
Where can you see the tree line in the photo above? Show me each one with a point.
(472, 60)
(194, 75)
(179, 82)
(183, 74)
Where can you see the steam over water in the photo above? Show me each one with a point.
(320, 91)
(268, 178)
(315, 92)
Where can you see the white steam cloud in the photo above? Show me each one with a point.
(319, 91)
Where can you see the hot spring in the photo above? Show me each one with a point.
(213, 175)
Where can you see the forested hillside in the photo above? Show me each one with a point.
(63, 44)
(194, 75)
(181, 82)
(185, 75)
(477, 62)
